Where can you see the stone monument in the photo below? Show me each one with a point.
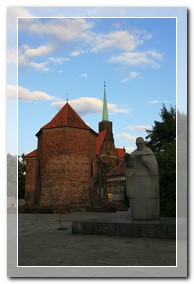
(142, 182)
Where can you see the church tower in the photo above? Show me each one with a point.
(62, 172)
(105, 143)
(105, 124)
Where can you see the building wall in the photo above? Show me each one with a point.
(108, 152)
(67, 167)
(31, 182)
(116, 188)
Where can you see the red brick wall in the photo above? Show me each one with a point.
(67, 166)
(30, 186)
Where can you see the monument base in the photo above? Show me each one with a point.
(124, 226)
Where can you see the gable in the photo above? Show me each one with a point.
(119, 170)
(66, 117)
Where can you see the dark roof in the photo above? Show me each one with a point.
(121, 153)
(118, 170)
(32, 154)
(100, 140)
(67, 117)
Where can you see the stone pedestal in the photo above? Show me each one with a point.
(143, 193)
(123, 225)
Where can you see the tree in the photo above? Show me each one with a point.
(162, 140)
(182, 178)
(21, 176)
(11, 175)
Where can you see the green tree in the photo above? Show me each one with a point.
(162, 140)
(21, 176)
(182, 165)
(11, 175)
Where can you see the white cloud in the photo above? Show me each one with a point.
(39, 66)
(84, 75)
(155, 54)
(80, 30)
(139, 128)
(120, 39)
(27, 95)
(88, 105)
(23, 61)
(65, 30)
(39, 51)
(153, 102)
(128, 136)
(26, 53)
(59, 60)
(130, 149)
(77, 53)
(131, 75)
(137, 58)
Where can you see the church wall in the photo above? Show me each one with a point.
(67, 166)
(31, 182)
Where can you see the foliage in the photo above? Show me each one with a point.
(162, 140)
(182, 135)
(21, 176)
(11, 175)
(182, 164)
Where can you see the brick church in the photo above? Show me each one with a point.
(74, 167)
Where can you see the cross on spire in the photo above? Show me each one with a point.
(67, 97)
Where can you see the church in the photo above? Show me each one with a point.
(73, 167)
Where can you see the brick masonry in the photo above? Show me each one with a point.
(30, 187)
(62, 174)
(67, 171)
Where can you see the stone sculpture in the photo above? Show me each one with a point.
(142, 182)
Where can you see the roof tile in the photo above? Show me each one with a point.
(100, 140)
(32, 154)
(67, 117)
(121, 153)
(118, 170)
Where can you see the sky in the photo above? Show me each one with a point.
(130, 94)
(60, 58)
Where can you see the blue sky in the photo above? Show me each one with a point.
(135, 56)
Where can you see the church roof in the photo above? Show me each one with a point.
(118, 170)
(100, 140)
(105, 108)
(121, 153)
(68, 117)
(32, 154)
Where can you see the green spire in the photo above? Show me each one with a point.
(105, 108)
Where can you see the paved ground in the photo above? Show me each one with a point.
(41, 243)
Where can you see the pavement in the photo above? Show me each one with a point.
(47, 240)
